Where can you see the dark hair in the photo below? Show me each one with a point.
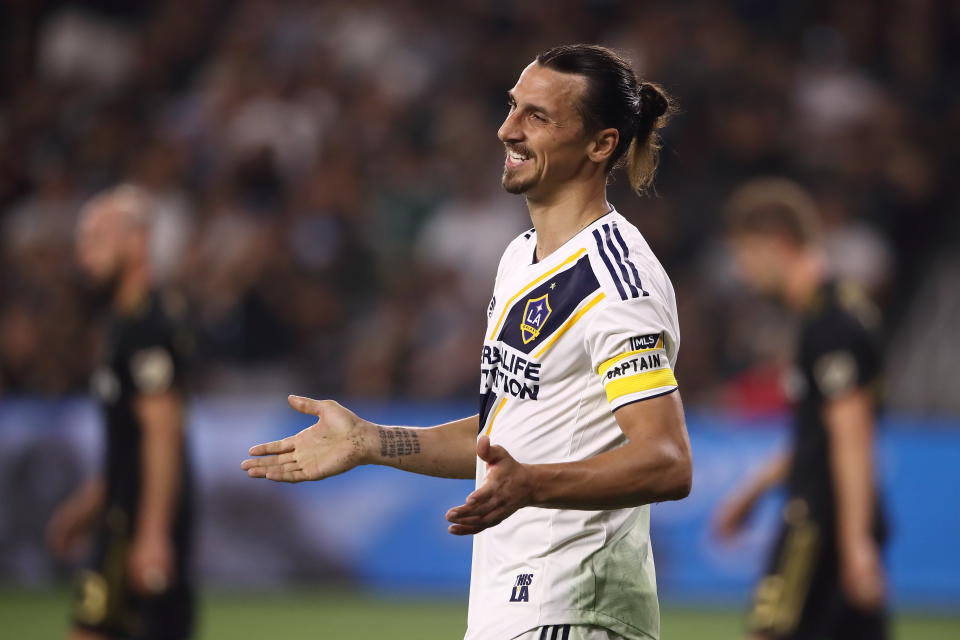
(615, 98)
(773, 205)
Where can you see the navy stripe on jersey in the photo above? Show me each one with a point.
(606, 261)
(487, 401)
(565, 291)
(634, 293)
(555, 632)
(626, 257)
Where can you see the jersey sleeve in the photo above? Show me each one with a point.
(629, 342)
(153, 369)
(157, 354)
(841, 358)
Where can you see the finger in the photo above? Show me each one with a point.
(467, 520)
(269, 461)
(479, 524)
(491, 454)
(308, 406)
(279, 475)
(487, 517)
(277, 446)
(464, 530)
(473, 508)
(483, 447)
(263, 471)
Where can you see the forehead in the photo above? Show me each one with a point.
(98, 217)
(553, 90)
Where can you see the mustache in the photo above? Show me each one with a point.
(516, 148)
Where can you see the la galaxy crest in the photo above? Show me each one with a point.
(535, 314)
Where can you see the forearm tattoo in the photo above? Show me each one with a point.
(396, 442)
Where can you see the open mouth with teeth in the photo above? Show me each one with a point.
(515, 159)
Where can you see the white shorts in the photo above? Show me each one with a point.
(569, 632)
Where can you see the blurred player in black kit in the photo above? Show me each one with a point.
(825, 577)
(137, 582)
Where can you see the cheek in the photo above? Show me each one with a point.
(558, 153)
(750, 267)
(95, 261)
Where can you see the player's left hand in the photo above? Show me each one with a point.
(151, 564)
(507, 487)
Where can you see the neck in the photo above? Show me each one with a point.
(565, 213)
(132, 289)
(803, 280)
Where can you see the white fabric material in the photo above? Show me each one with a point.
(545, 402)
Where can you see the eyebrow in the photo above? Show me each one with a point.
(533, 107)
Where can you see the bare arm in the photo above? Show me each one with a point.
(151, 564)
(75, 517)
(446, 451)
(849, 422)
(340, 441)
(654, 465)
(161, 419)
(736, 509)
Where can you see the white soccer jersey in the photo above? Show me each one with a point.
(569, 340)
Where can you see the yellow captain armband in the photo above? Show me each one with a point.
(636, 372)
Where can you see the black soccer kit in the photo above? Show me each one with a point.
(144, 354)
(800, 597)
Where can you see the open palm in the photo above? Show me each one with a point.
(336, 443)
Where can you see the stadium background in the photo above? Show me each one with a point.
(326, 186)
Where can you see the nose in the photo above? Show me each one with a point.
(510, 130)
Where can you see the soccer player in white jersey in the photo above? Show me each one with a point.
(581, 426)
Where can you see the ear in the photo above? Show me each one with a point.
(602, 145)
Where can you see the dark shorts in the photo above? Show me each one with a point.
(106, 604)
(800, 596)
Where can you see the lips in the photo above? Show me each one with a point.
(515, 158)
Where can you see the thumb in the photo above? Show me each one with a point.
(490, 454)
(308, 406)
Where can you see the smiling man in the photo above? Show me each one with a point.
(581, 425)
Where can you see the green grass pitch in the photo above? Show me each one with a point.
(306, 614)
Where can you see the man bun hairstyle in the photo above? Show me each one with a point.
(616, 98)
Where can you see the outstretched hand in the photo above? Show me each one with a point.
(337, 442)
(732, 516)
(507, 487)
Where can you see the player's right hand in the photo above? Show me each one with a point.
(732, 516)
(337, 442)
(861, 574)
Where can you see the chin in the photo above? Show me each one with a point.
(516, 186)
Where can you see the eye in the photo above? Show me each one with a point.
(538, 117)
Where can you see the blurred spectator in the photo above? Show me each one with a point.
(325, 175)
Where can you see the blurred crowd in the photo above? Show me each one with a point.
(325, 176)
